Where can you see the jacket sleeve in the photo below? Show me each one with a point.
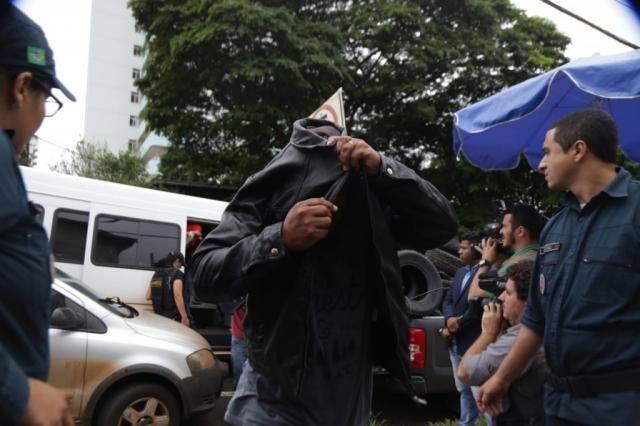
(242, 251)
(420, 216)
(447, 302)
(14, 389)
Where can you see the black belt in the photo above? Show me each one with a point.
(617, 381)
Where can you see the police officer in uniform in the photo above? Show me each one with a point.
(167, 289)
(584, 303)
(27, 77)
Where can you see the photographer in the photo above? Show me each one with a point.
(524, 402)
(521, 226)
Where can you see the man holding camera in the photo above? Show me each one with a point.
(524, 405)
(521, 226)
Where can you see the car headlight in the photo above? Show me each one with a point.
(200, 360)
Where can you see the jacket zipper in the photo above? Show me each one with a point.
(607, 262)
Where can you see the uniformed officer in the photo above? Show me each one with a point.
(27, 75)
(167, 289)
(585, 299)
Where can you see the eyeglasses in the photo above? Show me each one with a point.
(52, 104)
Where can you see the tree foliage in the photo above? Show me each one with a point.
(225, 79)
(97, 162)
(29, 156)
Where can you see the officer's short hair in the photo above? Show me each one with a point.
(520, 273)
(594, 126)
(528, 217)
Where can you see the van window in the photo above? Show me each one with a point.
(133, 243)
(69, 235)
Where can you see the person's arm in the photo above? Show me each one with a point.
(491, 324)
(489, 255)
(447, 302)
(256, 242)
(493, 390)
(28, 401)
(177, 296)
(420, 216)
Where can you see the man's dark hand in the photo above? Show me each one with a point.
(306, 223)
(453, 324)
(351, 151)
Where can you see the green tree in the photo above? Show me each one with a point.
(97, 162)
(225, 79)
(29, 156)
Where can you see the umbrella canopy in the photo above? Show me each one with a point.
(495, 131)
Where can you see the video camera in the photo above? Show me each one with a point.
(492, 230)
(491, 282)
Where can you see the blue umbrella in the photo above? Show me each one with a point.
(495, 131)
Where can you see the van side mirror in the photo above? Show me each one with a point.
(66, 319)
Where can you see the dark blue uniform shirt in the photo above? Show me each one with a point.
(585, 299)
(25, 283)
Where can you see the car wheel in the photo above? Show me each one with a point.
(139, 404)
(421, 282)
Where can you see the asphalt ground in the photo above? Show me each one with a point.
(387, 408)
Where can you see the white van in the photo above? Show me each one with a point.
(110, 235)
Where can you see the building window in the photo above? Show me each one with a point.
(135, 73)
(132, 144)
(137, 50)
(135, 97)
(134, 121)
(69, 235)
(138, 28)
(133, 243)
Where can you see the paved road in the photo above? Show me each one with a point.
(395, 410)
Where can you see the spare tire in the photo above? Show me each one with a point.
(444, 261)
(421, 283)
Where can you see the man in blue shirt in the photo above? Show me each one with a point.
(584, 302)
(27, 75)
(462, 330)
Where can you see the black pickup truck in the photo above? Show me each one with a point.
(426, 278)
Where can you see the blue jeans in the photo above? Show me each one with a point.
(238, 357)
(468, 408)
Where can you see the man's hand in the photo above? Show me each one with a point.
(453, 324)
(306, 223)
(351, 151)
(184, 320)
(444, 333)
(489, 249)
(492, 319)
(490, 396)
(47, 406)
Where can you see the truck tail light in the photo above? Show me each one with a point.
(417, 347)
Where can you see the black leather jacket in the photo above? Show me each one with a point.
(244, 254)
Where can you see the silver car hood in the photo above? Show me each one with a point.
(159, 327)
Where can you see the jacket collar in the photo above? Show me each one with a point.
(617, 188)
(303, 135)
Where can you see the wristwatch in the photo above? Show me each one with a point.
(484, 262)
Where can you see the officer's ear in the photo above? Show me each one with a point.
(579, 149)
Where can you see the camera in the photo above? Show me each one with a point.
(491, 282)
(492, 230)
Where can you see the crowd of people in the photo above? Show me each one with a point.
(308, 246)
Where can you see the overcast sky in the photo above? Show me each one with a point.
(66, 24)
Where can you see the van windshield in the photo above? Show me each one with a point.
(112, 304)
